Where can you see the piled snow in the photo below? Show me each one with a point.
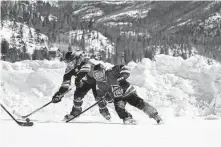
(27, 84)
(176, 87)
(184, 85)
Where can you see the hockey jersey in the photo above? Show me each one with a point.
(79, 69)
(114, 86)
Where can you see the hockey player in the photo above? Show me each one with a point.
(112, 85)
(79, 67)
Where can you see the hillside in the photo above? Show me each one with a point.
(182, 22)
(19, 35)
(143, 26)
(94, 42)
(164, 17)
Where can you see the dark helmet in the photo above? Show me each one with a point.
(99, 72)
(99, 67)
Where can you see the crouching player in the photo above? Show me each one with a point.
(112, 86)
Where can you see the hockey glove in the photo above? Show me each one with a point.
(108, 99)
(79, 83)
(56, 98)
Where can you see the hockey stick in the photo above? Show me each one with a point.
(25, 116)
(84, 110)
(36, 110)
(28, 123)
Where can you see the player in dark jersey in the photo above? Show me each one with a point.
(112, 85)
(79, 67)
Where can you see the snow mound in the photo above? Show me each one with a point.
(186, 86)
(26, 84)
(176, 87)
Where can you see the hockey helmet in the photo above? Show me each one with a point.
(99, 73)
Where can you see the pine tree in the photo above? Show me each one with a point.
(37, 39)
(13, 41)
(14, 26)
(2, 23)
(134, 56)
(20, 32)
(30, 36)
(4, 48)
(83, 40)
(24, 49)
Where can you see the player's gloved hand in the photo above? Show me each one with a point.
(108, 99)
(56, 98)
(79, 83)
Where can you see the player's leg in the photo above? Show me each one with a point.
(79, 94)
(134, 100)
(123, 114)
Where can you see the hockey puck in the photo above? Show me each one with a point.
(27, 120)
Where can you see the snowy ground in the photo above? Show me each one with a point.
(181, 90)
(182, 133)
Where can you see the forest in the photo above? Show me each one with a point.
(133, 38)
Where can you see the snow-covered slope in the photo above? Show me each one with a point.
(30, 37)
(94, 41)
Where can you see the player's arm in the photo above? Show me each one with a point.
(103, 94)
(83, 71)
(65, 84)
(123, 72)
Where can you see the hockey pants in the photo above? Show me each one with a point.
(134, 100)
(80, 93)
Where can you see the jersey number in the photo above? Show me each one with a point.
(117, 90)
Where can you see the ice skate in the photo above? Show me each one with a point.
(129, 121)
(68, 117)
(107, 117)
(158, 119)
(75, 112)
(105, 113)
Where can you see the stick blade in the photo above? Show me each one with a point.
(26, 124)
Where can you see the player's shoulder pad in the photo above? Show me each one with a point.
(124, 69)
(85, 68)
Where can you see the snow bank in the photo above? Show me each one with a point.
(27, 84)
(176, 87)
(186, 86)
